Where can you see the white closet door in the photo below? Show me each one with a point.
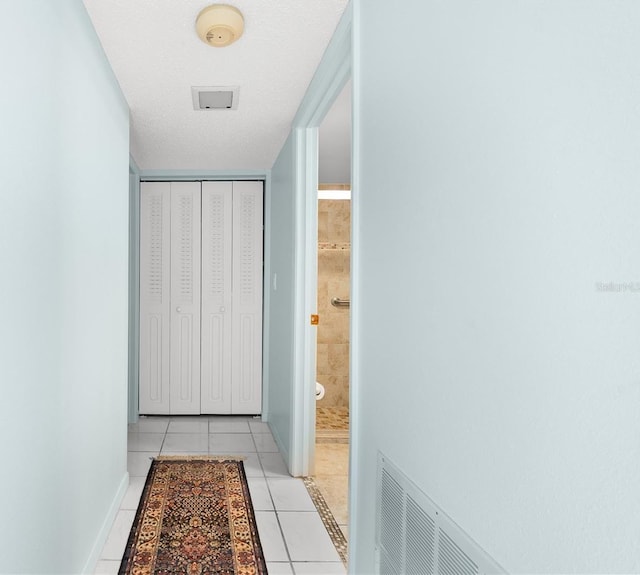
(185, 298)
(217, 201)
(155, 202)
(246, 366)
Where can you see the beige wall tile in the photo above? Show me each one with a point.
(339, 221)
(323, 226)
(334, 223)
(322, 359)
(338, 286)
(342, 391)
(338, 358)
(332, 396)
(336, 390)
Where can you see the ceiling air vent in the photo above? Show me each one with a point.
(214, 98)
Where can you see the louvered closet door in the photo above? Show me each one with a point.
(155, 232)
(217, 200)
(246, 365)
(185, 298)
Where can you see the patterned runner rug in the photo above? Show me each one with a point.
(195, 517)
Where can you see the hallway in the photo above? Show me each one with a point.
(293, 537)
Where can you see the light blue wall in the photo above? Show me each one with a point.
(134, 292)
(63, 247)
(293, 218)
(499, 182)
(281, 302)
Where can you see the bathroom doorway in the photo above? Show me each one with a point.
(333, 273)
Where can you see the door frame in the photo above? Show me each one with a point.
(332, 74)
(136, 176)
(134, 293)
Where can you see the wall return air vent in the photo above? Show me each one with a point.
(214, 97)
(416, 537)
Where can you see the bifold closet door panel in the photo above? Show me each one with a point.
(246, 366)
(185, 298)
(217, 203)
(155, 222)
(201, 297)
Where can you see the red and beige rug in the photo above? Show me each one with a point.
(195, 517)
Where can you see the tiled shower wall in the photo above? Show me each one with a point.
(334, 251)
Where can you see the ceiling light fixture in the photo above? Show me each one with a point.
(219, 25)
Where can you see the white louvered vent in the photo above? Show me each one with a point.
(453, 560)
(247, 248)
(217, 247)
(186, 248)
(415, 537)
(391, 508)
(155, 277)
(421, 538)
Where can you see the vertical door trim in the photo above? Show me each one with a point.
(330, 77)
(266, 295)
(133, 407)
(302, 433)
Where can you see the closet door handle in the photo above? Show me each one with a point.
(178, 309)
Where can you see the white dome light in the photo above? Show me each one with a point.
(219, 25)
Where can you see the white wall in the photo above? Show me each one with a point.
(63, 248)
(493, 196)
(334, 141)
(134, 293)
(281, 301)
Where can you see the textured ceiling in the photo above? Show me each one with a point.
(157, 58)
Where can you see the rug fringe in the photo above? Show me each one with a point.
(201, 457)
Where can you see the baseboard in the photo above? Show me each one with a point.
(284, 449)
(101, 539)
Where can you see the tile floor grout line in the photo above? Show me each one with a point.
(275, 511)
(164, 438)
(328, 520)
(284, 541)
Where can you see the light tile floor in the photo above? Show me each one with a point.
(293, 537)
(332, 479)
(332, 461)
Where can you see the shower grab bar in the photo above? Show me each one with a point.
(337, 302)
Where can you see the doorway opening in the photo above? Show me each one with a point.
(331, 469)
